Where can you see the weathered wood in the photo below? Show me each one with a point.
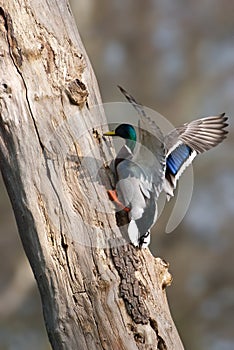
(97, 291)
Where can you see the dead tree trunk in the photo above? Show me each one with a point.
(51, 157)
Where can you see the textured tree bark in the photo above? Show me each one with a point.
(97, 293)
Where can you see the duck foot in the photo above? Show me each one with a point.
(114, 197)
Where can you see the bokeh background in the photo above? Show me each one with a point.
(176, 57)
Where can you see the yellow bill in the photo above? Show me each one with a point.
(110, 133)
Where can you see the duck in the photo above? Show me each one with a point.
(149, 163)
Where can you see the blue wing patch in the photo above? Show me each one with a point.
(176, 158)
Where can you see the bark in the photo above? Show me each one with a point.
(96, 292)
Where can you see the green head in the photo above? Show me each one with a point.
(127, 132)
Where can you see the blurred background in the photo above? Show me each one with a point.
(176, 57)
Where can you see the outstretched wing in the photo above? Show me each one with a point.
(185, 142)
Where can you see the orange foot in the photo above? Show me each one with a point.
(114, 197)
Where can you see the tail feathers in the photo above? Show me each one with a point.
(136, 238)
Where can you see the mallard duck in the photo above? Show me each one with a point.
(143, 172)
